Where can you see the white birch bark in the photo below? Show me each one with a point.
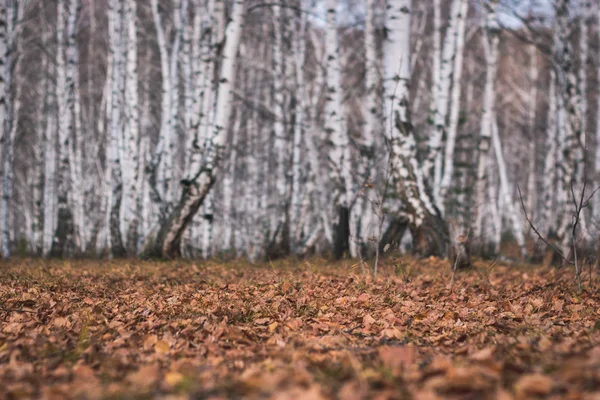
(490, 45)
(531, 176)
(548, 217)
(163, 163)
(201, 176)
(505, 190)
(7, 25)
(229, 184)
(131, 158)
(574, 139)
(425, 220)
(441, 89)
(115, 117)
(362, 212)
(336, 129)
(455, 104)
(281, 142)
(299, 49)
(63, 241)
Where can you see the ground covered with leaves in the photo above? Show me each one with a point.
(295, 330)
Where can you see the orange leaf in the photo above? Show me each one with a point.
(162, 347)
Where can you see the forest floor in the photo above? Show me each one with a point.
(295, 330)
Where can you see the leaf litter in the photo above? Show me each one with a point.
(310, 330)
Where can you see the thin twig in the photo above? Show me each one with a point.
(539, 235)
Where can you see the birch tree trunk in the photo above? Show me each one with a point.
(531, 177)
(131, 158)
(362, 212)
(64, 241)
(505, 190)
(8, 20)
(491, 40)
(455, 105)
(163, 166)
(574, 141)
(280, 134)
(441, 89)
(299, 45)
(114, 162)
(201, 176)
(548, 217)
(429, 230)
(335, 128)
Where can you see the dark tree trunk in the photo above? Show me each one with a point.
(63, 244)
(394, 233)
(116, 241)
(431, 238)
(342, 233)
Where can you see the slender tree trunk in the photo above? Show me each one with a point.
(64, 241)
(7, 42)
(131, 158)
(335, 128)
(547, 217)
(114, 161)
(531, 175)
(455, 105)
(201, 176)
(280, 134)
(429, 230)
(490, 45)
(441, 89)
(574, 140)
(362, 212)
(299, 50)
(505, 190)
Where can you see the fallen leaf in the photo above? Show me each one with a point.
(394, 357)
(162, 347)
(533, 385)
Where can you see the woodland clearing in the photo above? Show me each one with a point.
(295, 329)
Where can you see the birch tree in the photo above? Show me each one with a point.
(574, 139)
(201, 175)
(362, 222)
(441, 88)
(455, 102)
(491, 40)
(429, 230)
(163, 166)
(132, 193)
(115, 140)
(299, 49)
(8, 30)
(336, 130)
(64, 240)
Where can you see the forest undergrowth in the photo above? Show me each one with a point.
(296, 329)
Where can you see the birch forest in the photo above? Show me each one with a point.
(258, 129)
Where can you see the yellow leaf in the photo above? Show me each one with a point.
(273, 326)
(162, 347)
(285, 286)
(173, 378)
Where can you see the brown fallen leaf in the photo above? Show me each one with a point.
(394, 357)
(145, 377)
(533, 385)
